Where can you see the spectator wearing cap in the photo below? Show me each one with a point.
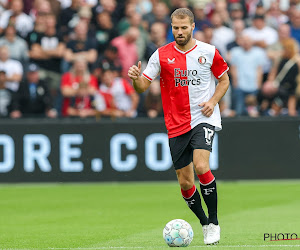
(33, 98)
(78, 75)
(12, 68)
(15, 15)
(17, 46)
(80, 46)
(47, 53)
(6, 96)
(124, 96)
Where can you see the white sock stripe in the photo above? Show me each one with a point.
(207, 183)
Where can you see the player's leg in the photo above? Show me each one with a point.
(201, 141)
(190, 193)
(207, 183)
(182, 156)
(209, 193)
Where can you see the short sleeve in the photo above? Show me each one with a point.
(219, 65)
(153, 67)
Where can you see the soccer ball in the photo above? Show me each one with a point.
(178, 233)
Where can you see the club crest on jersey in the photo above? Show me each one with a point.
(202, 60)
(171, 61)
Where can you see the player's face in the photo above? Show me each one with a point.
(182, 30)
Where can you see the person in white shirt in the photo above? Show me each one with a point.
(12, 68)
(24, 23)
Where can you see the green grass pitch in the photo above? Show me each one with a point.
(133, 215)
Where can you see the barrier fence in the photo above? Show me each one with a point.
(137, 150)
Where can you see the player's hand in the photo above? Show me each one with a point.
(135, 71)
(207, 108)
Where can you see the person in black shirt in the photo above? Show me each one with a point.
(33, 97)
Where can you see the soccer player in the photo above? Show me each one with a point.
(190, 97)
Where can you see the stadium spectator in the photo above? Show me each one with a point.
(39, 29)
(12, 68)
(127, 49)
(295, 24)
(33, 97)
(282, 80)
(110, 6)
(67, 14)
(81, 45)
(124, 95)
(40, 7)
(81, 104)
(16, 16)
(79, 74)
(274, 16)
(160, 13)
(201, 19)
(105, 31)
(238, 28)
(261, 34)
(222, 35)
(47, 53)
(6, 96)
(222, 11)
(175, 4)
(136, 21)
(153, 104)
(274, 51)
(246, 72)
(17, 46)
(157, 39)
(109, 60)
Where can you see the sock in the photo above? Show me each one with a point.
(193, 200)
(209, 193)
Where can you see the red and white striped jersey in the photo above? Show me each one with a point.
(187, 78)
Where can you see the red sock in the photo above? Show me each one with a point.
(206, 178)
(188, 193)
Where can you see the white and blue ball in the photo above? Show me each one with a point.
(178, 233)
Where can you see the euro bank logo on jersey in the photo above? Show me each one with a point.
(179, 74)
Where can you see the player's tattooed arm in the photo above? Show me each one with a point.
(140, 84)
(208, 107)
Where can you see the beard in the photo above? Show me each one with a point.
(183, 42)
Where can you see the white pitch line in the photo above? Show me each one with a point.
(219, 246)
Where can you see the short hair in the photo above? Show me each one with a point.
(183, 13)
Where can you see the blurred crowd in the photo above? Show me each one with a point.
(69, 58)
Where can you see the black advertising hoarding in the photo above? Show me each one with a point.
(137, 150)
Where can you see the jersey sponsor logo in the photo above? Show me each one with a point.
(202, 60)
(171, 61)
(179, 74)
(207, 191)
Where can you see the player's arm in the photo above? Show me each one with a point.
(221, 88)
(140, 84)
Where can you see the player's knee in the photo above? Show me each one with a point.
(186, 184)
(202, 167)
